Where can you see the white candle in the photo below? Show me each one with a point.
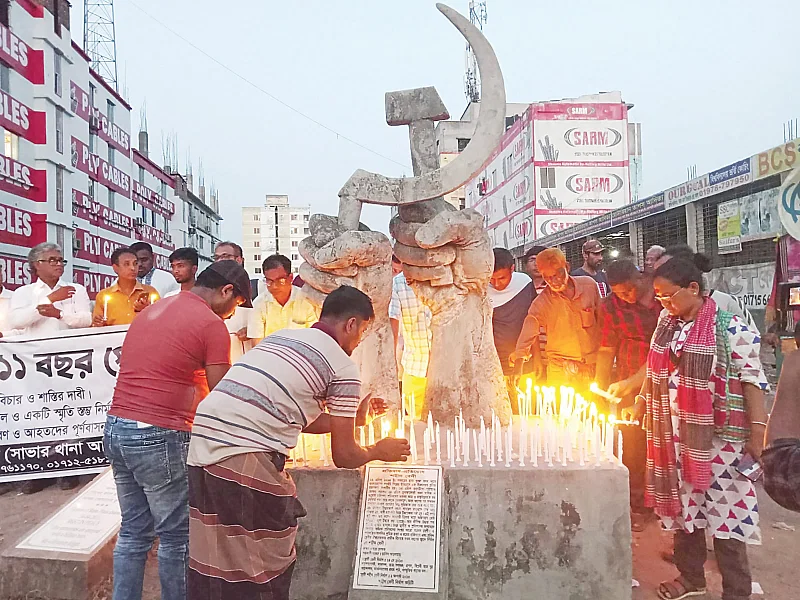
(426, 452)
(508, 446)
(478, 454)
(362, 437)
(105, 307)
(491, 447)
(430, 421)
(438, 445)
(465, 449)
(323, 451)
(412, 440)
(535, 445)
(372, 433)
(303, 438)
(522, 444)
(619, 446)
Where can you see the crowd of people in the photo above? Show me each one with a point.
(201, 422)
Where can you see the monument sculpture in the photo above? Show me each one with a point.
(446, 253)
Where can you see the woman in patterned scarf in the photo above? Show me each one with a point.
(703, 409)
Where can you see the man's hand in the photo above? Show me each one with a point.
(636, 411)
(755, 445)
(621, 389)
(372, 407)
(391, 450)
(518, 355)
(242, 334)
(99, 321)
(48, 310)
(141, 303)
(62, 293)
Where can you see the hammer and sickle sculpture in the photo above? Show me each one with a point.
(446, 254)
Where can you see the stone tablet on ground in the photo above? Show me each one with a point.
(399, 545)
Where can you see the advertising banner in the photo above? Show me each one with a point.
(22, 58)
(99, 170)
(759, 212)
(729, 227)
(777, 160)
(94, 248)
(93, 282)
(99, 215)
(581, 189)
(154, 236)
(16, 271)
(109, 132)
(148, 198)
(22, 181)
(549, 223)
(56, 391)
(21, 228)
(25, 122)
(80, 101)
(579, 142)
(713, 183)
(144, 162)
(751, 285)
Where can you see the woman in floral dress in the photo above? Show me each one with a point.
(703, 408)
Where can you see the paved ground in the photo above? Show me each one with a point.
(774, 564)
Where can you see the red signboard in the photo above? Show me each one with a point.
(22, 58)
(79, 101)
(16, 271)
(148, 165)
(161, 262)
(99, 170)
(23, 121)
(94, 248)
(21, 180)
(101, 216)
(154, 236)
(21, 228)
(152, 200)
(93, 282)
(110, 132)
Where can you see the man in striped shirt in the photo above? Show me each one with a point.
(295, 380)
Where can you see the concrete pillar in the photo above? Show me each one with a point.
(633, 240)
(691, 225)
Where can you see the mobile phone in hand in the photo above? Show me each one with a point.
(750, 467)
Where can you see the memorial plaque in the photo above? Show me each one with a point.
(84, 524)
(400, 529)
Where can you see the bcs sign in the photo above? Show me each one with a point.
(777, 160)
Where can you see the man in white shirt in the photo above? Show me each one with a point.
(49, 305)
(5, 306)
(237, 323)
(282, 305)
(148, 274)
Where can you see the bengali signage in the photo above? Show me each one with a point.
(777, 160)
(710, 184)
(21, 228)
(80, 101)
(729, 227)
(151, 235)
(152, 200)
(84, 207)
(399, 532)
(93, 282)
(110, 132)
(789, 204)
(22, 58)
(16, 271)
(751, 285)
(56, 391)
(21, 180)
(94, 248)
(25, 122)
(99, 170)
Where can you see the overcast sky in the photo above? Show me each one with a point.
(712, 81)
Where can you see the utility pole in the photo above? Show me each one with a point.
(472, 82)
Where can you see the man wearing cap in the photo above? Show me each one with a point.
(593, 266)
(174, 353)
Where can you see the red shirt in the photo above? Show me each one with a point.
(627, 328)
(162, 375)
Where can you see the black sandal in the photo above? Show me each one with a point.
(679, 588)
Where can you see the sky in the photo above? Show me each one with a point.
(712, 82)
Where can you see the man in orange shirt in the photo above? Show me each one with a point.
(120, 303)
(567, 310)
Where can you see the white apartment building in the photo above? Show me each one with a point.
(274, 228)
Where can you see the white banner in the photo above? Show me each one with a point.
(55, 392)
(580, 141)
(581, 188)
(750, 285)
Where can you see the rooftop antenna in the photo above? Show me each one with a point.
(790, 130)
(472, 81)
(691, 172)
(99, 39)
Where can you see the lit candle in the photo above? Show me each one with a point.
(595, 389)
(323, 451)
(372, 433)
(153, 297)
(105, 307)
(412, 440)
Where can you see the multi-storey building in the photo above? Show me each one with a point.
(274, 228)
(67, 134)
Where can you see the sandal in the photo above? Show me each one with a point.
(679, 588)
(638, 522)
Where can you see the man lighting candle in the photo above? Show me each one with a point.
(127, 297)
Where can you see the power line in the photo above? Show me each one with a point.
(262, 90)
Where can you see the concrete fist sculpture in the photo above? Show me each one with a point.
(334, 257)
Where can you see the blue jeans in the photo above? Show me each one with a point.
(150, 471)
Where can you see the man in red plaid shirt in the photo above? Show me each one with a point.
(628, 318)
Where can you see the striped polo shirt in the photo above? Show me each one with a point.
(272, 393)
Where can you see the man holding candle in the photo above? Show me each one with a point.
(299, 380)
(628, 319)
(567, 310)
(126, 298)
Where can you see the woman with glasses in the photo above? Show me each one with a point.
(703, 408)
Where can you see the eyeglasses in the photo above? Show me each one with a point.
(276, 282)
(558, 277)
(225, 256)
(670, 297)
(52, 261)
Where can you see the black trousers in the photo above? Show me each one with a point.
(690, 557)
